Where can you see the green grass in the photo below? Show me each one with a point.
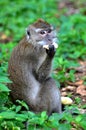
(15, 16)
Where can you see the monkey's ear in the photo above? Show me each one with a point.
(28, 33)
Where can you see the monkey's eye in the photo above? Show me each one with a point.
(42, 32)
(49, 30)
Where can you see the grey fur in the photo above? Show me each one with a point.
(29, 69)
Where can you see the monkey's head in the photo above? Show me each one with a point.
(41, 33)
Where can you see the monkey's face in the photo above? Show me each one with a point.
(45, 36)
(42, 36)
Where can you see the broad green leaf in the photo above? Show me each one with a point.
(4, 79)
(21, 117)
(64, 126)
(44, 115)
(18, 108)
(3, 88)
(16, 128)
(22, 103)
(7, 115)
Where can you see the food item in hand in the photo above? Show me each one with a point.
(47, 46)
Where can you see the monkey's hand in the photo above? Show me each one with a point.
(51, 51)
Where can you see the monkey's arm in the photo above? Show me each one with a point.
(45, 69)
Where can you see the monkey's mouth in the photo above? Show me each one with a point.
(47, 46)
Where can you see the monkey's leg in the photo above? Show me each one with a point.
(52, 94)
(44, 97)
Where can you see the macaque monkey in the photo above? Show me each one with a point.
(30, 68)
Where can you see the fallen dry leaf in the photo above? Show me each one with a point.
(82, 63)
(82, 111)
(63, 89)
(70, 88)
(81, 90)
(4, 38)
(64, 93)
(80, 82)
